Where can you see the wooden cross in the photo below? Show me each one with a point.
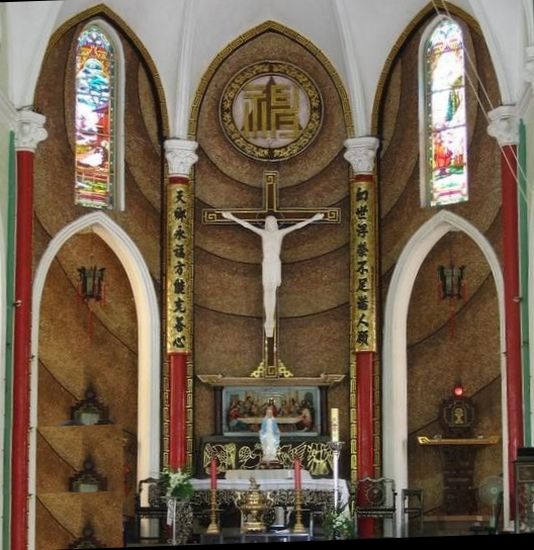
(271, 367)
(270, 206)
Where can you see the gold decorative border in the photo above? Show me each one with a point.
(189, 445)
(426, 13)
(316, 457)
(245, 75)
(267, 26)
(353, 419)
(165, 420)
(377, 416)
(103, 10)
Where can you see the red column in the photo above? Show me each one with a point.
(504, 127)
(21, 352)
(177, 409)
(512, 310)
(178, 345)
(29, 133)
(365, 442)
(180, 156)
(361, 154)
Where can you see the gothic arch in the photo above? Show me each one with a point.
(148, 398)
(394, 371)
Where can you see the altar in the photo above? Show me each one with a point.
(317, 494)
(281, 481)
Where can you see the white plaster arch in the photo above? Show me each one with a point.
(394, 372)
(148, 323)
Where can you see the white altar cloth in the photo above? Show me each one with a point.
(260, 475)
(320, 484)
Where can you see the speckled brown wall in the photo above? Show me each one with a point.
(78, 348)
(447, 341)
(313, 298)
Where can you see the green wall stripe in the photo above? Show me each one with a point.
(523, 273)
(10, 297)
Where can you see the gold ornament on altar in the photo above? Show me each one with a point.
(252, 505)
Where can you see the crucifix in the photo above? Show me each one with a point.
(271, 236)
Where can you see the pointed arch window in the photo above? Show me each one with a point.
(443, 117)
(98, 118)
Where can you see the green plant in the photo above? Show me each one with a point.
(176, 483)
(339, 524)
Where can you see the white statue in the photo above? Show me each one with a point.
(269, 436)
(271, 238)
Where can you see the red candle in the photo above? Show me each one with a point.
(213, 472)
(297, 474)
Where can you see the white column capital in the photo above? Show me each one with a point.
(30, 131)
(361, 154)
(180, 155)
(504, 125)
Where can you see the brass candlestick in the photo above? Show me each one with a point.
(213, 527)
(299, 526)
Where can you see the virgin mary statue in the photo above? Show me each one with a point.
(269, 436)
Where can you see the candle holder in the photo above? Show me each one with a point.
(336, 447)
(213, 527)
(299, 526)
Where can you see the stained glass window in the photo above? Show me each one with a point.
(445, 115)
(95, 94)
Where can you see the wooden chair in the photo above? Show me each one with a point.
(412, 508)
(149, 504)
(376, 498)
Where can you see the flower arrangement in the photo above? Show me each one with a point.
(339, 524)
(176, 483)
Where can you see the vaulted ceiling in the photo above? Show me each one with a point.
(182, 37)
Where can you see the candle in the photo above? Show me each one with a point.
(213, 472)
(334, 424)
(297, 474)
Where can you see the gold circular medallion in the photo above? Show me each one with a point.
(271, 111)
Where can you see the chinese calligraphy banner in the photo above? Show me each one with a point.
(364, 282)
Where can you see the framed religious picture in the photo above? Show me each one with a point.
(296, 409)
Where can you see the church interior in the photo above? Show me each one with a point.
(265, 271)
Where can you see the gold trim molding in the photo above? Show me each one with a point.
(221, 380)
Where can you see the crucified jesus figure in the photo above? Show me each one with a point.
(271, 239)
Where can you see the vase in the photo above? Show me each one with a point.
(180, 519)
